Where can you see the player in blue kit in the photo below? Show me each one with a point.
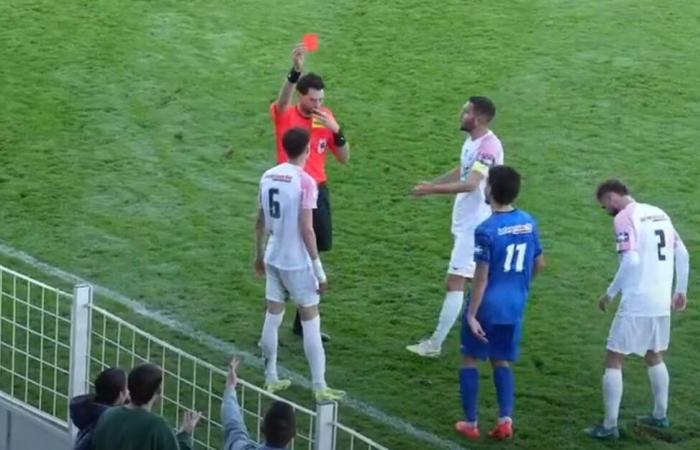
(508, 255)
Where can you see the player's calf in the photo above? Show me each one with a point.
(659, 381)
(315, 354)
(504, 380)
(269, 342)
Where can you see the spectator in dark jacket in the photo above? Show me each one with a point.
(134, 426)
(85, 410)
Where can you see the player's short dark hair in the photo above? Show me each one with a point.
(109, 384)
(611, 185)
(310, 81)
(504, 183)
(295, 141)
(483, 106)
(279, 425)
(144, 383)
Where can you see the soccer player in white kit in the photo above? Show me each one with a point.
(650, 251)
(480, 151)
(288, 257)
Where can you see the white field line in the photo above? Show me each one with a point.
(248, 358)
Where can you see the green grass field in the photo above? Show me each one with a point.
(133, 134)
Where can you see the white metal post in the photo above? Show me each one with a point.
(326, 415)
(80, 343)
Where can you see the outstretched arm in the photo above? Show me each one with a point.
(448, 177)
(454, 187)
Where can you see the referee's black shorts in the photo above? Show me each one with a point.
(322, 220)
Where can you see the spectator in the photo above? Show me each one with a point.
(85, 410)
(134, 426)
(279, 424)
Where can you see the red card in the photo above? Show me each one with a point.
(311, 42)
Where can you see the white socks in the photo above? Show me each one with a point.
(451, 308)
(658, 376)
(269, 345)
(612, 395)
(313, 347)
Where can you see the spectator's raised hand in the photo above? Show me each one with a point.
(190, 420)
(232, 377)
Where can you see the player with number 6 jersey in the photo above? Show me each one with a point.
(650, 252)
(288, 257)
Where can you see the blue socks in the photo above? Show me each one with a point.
(505, 390)
(469, 390)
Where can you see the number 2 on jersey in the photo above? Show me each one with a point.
(274, 204)
(512, 249)
(661, 244)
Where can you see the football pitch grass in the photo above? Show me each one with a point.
(133, 135)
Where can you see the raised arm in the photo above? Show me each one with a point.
(235, 432)
(284, 99)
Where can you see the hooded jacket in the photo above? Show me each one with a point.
(85, 412)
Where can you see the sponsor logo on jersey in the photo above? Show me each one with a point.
(654, 218)
(516, 229)
(282, 178)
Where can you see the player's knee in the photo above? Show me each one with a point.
(455, 283)
(275, 308)
(499, 363)
(653, 358)
(614, 360)
(308, 312)
(470, 362)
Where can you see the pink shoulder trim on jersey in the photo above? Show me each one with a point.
(625, 232)
(309, 191)
(490, 146)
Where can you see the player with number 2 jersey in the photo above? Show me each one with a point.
(650, 252)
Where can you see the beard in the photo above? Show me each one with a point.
(467, 126)
(305, 110)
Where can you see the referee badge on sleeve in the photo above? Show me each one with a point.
(322, 144)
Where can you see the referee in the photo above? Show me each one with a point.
(326, 135)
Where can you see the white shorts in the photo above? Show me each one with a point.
(462, 259)
(636, 334)
(299, 285)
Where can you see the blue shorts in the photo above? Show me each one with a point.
(503, 341)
